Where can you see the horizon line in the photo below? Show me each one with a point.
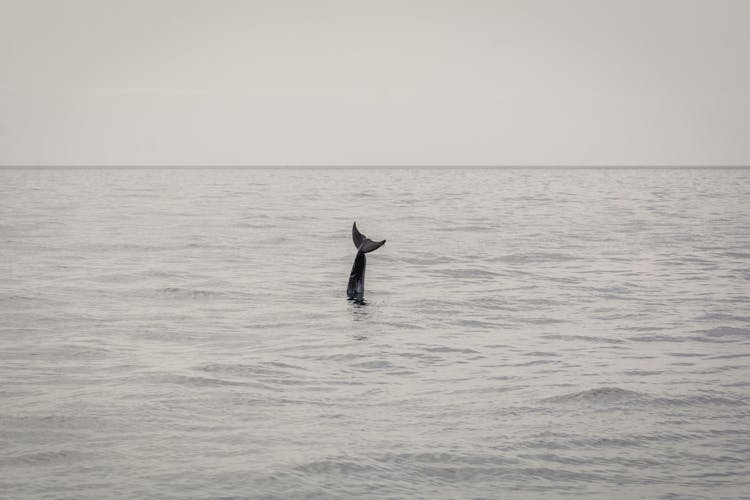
(373, 166)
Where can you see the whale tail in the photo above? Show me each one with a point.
(355, 290)
(363, 243)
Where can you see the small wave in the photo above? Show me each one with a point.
(739, 255)
(718, 335)
(471, 228)
(338, 465)
(642, 373)
(260, 370)
(250, 225)
(585, 338)
(403, 325)
(522, 258)
(700, 400)
(725, 331)
(609, 442)
(659, 338)
(191, 381)
(424, 260)
(543, 321)
(731, 356)
(450, 349)
(472, 274)
(276, 240)
(188, 293)
(42, 458)
(11, 298)
(541, 354)
(611, 291)
(475, 323)
(402, 459)
(599, 395)
(535, 362)
(376, 365)
(649, 328)
(723, 317)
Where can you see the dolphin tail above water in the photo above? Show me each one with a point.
(356, 288)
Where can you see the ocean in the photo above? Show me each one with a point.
(527, 333)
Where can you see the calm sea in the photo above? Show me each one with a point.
(527, 333)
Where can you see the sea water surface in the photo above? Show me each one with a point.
(527, 334)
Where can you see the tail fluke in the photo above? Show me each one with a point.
(363, 243)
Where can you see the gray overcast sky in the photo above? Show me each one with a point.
(392, 82)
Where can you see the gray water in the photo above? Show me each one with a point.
(527, 333)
